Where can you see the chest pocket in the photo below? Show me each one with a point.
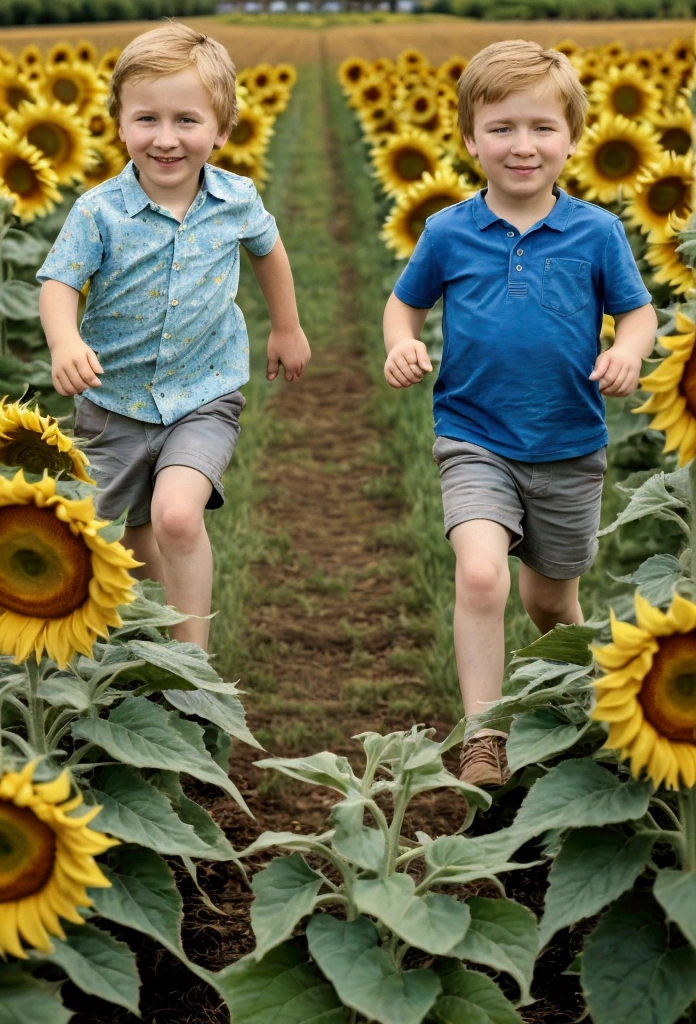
(567, 285)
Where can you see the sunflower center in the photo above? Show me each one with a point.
(25, 449)
(676, 140)
(51, 139)
(668, 694)
(421, 105)
(242, 133)
(65, 90)
(666, 195)
(16, 94)
(411, 164)
(616, 159)
(21, 178)
(627, 100)
(44, 569)
(27, 852)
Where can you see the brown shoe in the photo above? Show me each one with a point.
(483, 762)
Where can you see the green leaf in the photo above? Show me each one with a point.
(470, 997)
(26, 1000)
(19, 300)
(135, 812)
(177, 666)
(323, 769)
(538, 735)
(563, 643)
(289, 840)
(364, 975)
(435, 776)
(656, 578)
(22, 249)
(593, 869)
(222, 709)
(579, 794)
(660, 496)
(283, 988)
(143, 734)
(63, 689)
(502, 935)
(218, 846)
(98, 964)
(147, 611)
(359, 844)
(629, 972)
(143, 895)
(675, 891)
(457, 860)
(434, 923)
(284, 892)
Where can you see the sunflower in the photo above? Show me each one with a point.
(614, 51)
(26, 177)
(7, 59)
(75, 84)
(674, 127)
(664, 189)
(36, 443)
(261, 77)
(107, 62)
(60, 53)
(30, 56)
(106, 162)
(645, 60)
(668, 266)
(60, 581)
(373, 91)
(682, 49)
(433, 192)
(420, 106)
(46, 860)
(86, 52)
(411, 59)
(383, 66)
(613, 154)
(451, 70)
(648, 696)
(351, 71)
(14, 89)
(672, 387)
(404, 159)
(99, 123)
(567, 46)
(58, 133)
(286, 75)
(249, 165)
(273, 99)
(251, 134)
(625, 91)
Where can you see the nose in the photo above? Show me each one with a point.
(523, 142)
(165, 136)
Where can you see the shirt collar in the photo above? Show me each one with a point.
(135, 197)
(557, 218)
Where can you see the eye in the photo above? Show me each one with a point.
(146, 117)
(187, 120)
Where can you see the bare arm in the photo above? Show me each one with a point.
(74, 366)
(407, 356)
(618, 369)
(287, 344)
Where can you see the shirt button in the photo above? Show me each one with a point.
(175, 302)
(520, 252)
(177, 267)
(518, 267)
(511, 234)
(161, 394)
(167, 336)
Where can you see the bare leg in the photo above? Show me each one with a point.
(548, 601)
(142, 540)
(482, 588)
(178, 502)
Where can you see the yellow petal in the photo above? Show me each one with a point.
(9, 936)
(622, 733)
(30, 925)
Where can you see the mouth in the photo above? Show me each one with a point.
(166, 160)
(522, 170)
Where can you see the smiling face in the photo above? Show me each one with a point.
(169, 128)
(522, 143)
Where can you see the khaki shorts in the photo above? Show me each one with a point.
(551, 508)
(125, 455)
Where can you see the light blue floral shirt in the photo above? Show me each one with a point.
(160, 313)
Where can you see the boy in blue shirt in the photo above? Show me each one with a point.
(526, 273)
(159, 245)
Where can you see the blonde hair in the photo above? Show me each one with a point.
(511, 66)
(174, 47)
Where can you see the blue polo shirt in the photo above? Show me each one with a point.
(160, 313)
(521, 323)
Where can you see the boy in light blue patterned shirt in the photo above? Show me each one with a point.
(159, 245)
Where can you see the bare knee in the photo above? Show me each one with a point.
(547, 610)
(482, 584)
(176, 526)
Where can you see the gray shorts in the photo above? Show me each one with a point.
(551, 508)
(125, 455)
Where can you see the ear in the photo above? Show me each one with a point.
(221, 139)
(571, 148)
(471, 146)
(120, 134)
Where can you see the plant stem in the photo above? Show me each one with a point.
(37, 735)
(687, 803)
(400, 805)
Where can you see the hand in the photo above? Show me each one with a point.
(289, 349)
(617, 371)
(406, 363)
(74, 367)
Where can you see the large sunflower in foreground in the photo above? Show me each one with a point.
(668, 267)
(58, 132)
(672, 402)
(613, 154)
(625, 91)
(46, 860)
(26, 177)
(36, 443)
(404, 159)
(60, 581)
(648, 696)
(75, 84)
(15, 88)
(405, 223)
(660, 192)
